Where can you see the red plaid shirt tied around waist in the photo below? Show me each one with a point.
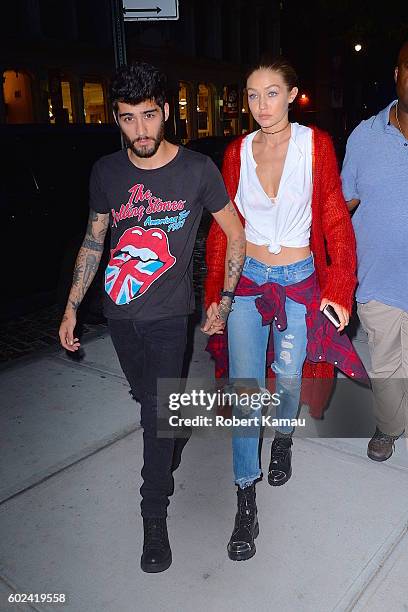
(324, 343)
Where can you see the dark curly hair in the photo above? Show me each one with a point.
(136, 83)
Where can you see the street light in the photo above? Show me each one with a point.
(304, 99)
(357, 47)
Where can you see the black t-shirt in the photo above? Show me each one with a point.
(154, 218)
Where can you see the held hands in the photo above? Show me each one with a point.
(217, 315)
(341, 312)
(66, 332)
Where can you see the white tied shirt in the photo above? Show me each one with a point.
(286, 219)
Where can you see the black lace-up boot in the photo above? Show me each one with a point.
(280, 467)
(156, 555)
(241, 545)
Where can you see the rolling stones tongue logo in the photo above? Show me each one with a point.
(140, 257)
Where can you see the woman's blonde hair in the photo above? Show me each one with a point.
(277, 64)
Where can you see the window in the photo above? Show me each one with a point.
(94, 103)
(184, 125)
(66, 104)
(17, 97)
(231, 110)
(66, 98)
(204, 111)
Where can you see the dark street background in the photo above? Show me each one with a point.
(335, 538)
(55, 116)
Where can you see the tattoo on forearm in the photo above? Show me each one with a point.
(224, 310)
(77, 275)
(95, 231)
(88, 258)
(85, 269)
(234, 263)
(224, 316)
(231, 208)
(234, 268)
(91, 266)
(92, 245)
(74, 304)
(93, 216)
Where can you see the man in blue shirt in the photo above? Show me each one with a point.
(375, 178)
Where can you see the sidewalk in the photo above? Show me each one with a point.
(333, 539)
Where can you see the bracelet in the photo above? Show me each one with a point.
(228, 294)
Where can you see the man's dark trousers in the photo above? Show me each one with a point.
(148, 351)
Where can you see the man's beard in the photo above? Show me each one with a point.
(146, 150)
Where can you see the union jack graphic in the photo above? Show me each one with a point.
(140, 258)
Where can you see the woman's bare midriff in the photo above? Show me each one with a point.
(287, 255)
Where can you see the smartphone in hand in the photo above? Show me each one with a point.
(331, 314)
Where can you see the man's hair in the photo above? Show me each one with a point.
(137, 83)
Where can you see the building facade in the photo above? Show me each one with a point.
(206, 54)
(57, 58)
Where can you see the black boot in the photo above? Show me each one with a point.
(156, 555)
(280, 467)
(241, 545)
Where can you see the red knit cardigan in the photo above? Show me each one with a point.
(331, 241)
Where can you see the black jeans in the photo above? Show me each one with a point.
(149, 351)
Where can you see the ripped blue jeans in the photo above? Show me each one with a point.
(247, 345)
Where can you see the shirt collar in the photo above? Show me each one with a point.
(296, 137)
(383, 117)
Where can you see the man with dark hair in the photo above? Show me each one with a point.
(375, 177)
(152, 195)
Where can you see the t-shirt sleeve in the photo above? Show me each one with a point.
(97, 198)
(349, 170)
(214, 196)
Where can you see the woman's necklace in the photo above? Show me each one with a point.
(398, 123)
(277, 131)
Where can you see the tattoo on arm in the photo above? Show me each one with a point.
(224, 315)
(234, 268)
(92, 245)
(224, 308)
(96, 231)
(231, 208)
(74, 304)
(91, 266)
(234, 262)
(78, 270)
(88, 258)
